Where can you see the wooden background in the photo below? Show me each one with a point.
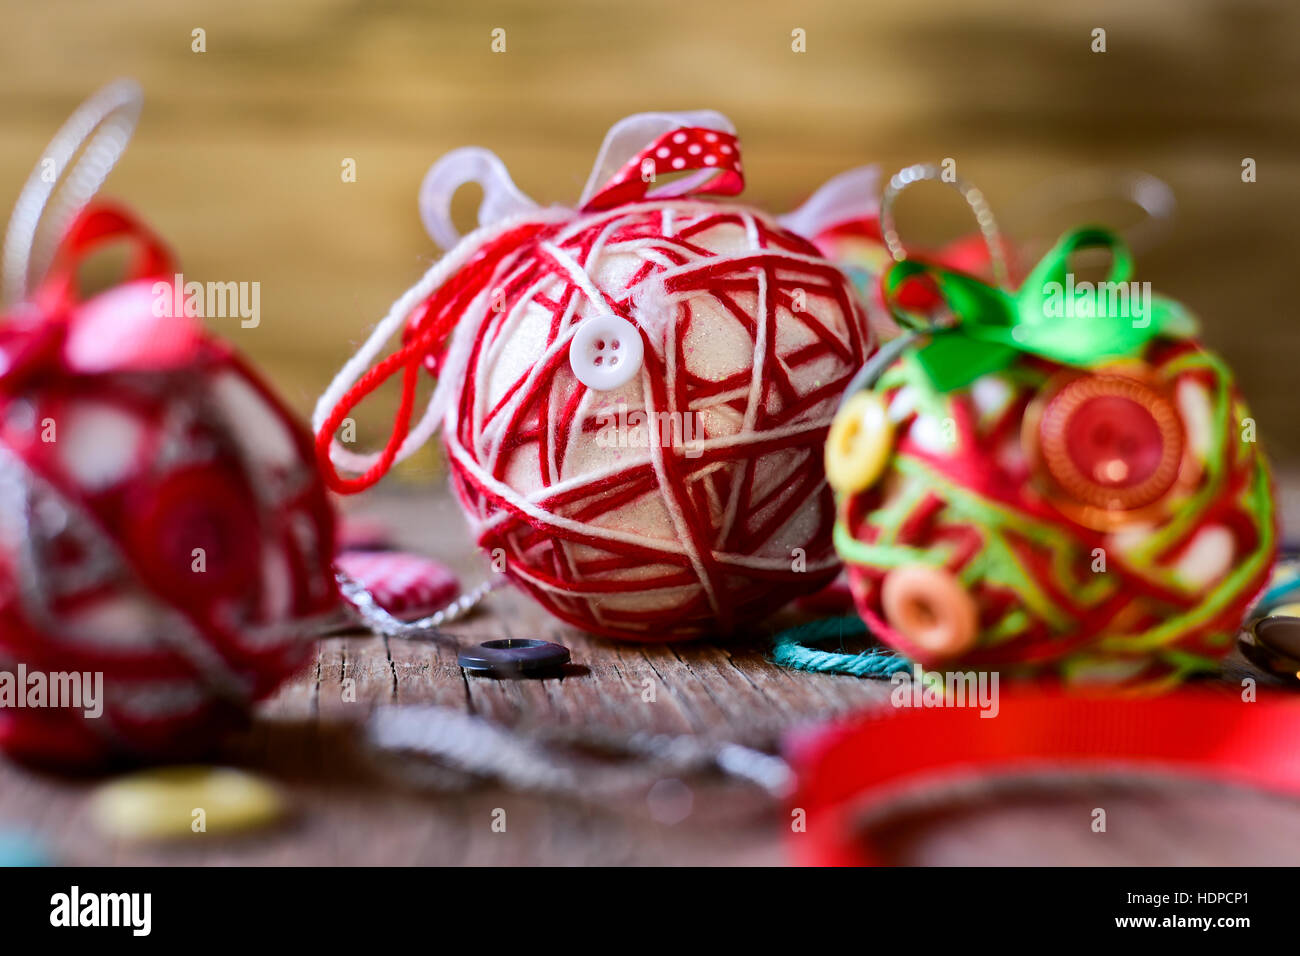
(238, 156)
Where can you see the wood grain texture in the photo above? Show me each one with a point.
(353, 809)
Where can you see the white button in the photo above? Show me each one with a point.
(606, 352)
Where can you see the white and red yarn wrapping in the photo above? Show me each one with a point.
(717, 511)
(161, 522)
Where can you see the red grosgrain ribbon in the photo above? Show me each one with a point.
(132, 326)
(858, 767)
(709, 157)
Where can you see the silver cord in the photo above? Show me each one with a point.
(102, 125)
(921, 172)
(1080, 188)
(370, 614)
(466, 746)
(867, 376)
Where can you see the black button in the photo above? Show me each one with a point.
(515, 657)
(1273, 644)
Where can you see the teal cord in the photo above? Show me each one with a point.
(1283, 586)
(790, 649)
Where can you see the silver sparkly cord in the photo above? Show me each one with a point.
(867, 376)
(103, 126)
(368, 611)
(458, 748)
(974, 198)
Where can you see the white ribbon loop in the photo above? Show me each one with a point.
(102, 125)
(502, 199)
(850, 196)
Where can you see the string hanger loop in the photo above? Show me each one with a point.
(59, 188)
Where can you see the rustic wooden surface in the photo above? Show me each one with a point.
(350, 810)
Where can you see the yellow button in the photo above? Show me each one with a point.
(183, 802)
(860, 441)
(930, 608)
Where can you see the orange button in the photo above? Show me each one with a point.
(1108, 447)
(930, 608)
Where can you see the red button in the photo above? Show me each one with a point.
(1108, 441)
(199, 508)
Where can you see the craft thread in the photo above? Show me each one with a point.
(791, 648)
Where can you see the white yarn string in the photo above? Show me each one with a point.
(100, 129)
(390, 325)
(560, 761)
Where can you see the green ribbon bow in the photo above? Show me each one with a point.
(1052, 316)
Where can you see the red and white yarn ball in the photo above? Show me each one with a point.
(161, 525)
(690, 499)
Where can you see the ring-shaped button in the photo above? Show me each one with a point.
(930, 608)
(1110, 442)
(859, 443)
(606, 352)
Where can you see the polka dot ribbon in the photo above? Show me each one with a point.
(711, 156)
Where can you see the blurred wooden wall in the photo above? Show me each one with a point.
(237, 159)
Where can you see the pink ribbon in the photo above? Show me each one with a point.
(130, 327)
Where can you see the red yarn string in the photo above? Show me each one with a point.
(431, 325)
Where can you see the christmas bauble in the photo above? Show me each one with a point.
(1061, 480)
(165, 541)
(634, 394)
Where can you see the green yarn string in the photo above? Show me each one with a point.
(790, 649)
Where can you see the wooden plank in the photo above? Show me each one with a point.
(350, 811)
